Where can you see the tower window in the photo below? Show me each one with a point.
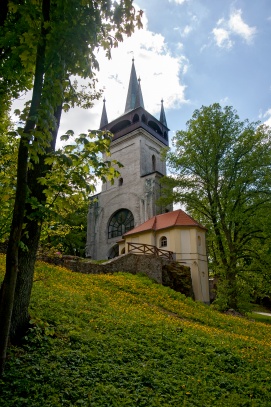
(120, 182)
(135, 118)
(153, 163)
(163, 241)
(121, 222)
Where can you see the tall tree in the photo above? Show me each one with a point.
(8, 154)
(63, 45)
(221, 169)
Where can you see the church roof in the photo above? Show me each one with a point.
(135, 116)
(164, 221)
(134, 95)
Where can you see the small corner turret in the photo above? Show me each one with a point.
(104, 120)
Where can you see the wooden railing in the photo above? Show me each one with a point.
(141, 248)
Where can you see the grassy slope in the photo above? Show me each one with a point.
(123, 340)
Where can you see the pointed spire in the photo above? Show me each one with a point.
(104, 120)
(139, 98)
(163, 119)
(134, 96)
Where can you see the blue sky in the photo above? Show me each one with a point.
(190, 53)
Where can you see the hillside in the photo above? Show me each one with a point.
(123, 340)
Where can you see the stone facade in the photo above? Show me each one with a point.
(137, 190)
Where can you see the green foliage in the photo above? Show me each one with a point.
(123, 340)
(218, 176)
(8, 148)
(76, 166)
(64, 229)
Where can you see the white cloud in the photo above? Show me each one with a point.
(225, 101)
(267, 116)
(222, 38)
(233, 27)
(239, 27)
(159, 72)
(179, 46)
(187, 30)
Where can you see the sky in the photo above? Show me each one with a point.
(190, 53)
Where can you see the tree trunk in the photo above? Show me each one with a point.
(3, 11)
(30, 238)
(232, 292)
(8, 286)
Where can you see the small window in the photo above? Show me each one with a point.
(120, 182)
(135, 118)
(199, 241)
(153, 163)
(163, 241)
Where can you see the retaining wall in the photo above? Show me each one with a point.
(168, 273)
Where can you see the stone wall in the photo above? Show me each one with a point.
(171, 274)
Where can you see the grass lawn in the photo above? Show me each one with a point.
(123, 340)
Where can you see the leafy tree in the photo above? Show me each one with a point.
(58, 42)
(68, 186)
(65, 229)
(8, 154)
(221, 172)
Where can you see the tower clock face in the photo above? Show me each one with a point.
(121, 222)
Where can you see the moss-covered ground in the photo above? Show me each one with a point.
(123, 340)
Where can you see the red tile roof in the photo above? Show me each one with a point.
(165, 220)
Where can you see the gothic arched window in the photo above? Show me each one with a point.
(121, 222)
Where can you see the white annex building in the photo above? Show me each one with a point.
(137, 144)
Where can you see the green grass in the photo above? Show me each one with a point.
(260, 318)
(122, 340)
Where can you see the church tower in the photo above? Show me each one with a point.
(138, 141)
